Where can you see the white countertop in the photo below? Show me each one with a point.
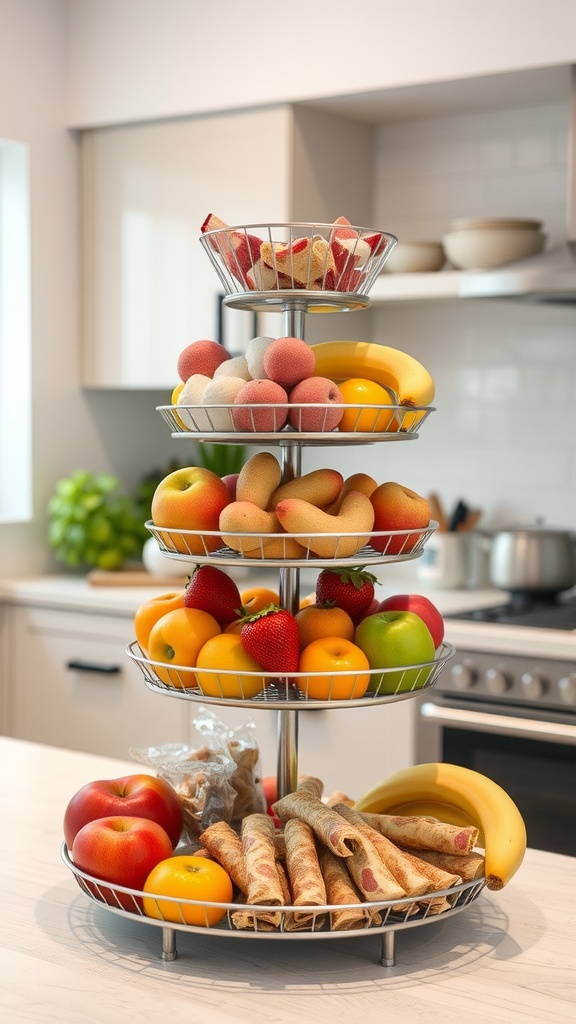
(507, 958)
(77, 594)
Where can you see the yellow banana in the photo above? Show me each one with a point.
(397, 370)
(462, 797)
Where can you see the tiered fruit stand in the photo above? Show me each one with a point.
(287, 696)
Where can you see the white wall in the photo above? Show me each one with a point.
(71, 429)
(134, 59)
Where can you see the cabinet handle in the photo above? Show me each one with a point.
(76, 665)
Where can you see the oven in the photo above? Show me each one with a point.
(511, 714)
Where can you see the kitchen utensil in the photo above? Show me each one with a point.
(458, 517)
(437, 511)
(532, 559)
(495, 224)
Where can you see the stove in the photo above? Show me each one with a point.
(505, 705)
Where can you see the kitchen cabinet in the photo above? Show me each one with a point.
(148, 289)
(69, 684)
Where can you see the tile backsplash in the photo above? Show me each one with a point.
(503, 435)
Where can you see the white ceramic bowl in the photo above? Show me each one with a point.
(415, 257)
(495, 224)
(484, 249)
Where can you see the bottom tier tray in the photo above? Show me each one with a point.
(342, 921)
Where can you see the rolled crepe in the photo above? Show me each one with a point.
(223, 843)
(373, 879)
(423, 833)
(304, 874)
(470, 866)
(439, 879)
(340, 889)
(309, 784)
(412, 881)
(263, 884)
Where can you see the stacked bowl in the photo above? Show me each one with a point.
(484, 243)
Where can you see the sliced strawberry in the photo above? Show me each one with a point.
(350, 589)
(272, 638)
(212, 590)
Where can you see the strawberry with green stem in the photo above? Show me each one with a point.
(271, 636)
(350, 589)
(213, 591)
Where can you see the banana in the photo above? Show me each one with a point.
(462, 797)
(408, 378)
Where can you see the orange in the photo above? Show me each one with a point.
(309, 599)
(359, 392)
(316, 621)
(148, 614)
(226, 654)
(344, 667)
(255, 599)
(176, 639)
(187, 877)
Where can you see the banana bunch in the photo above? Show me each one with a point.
(458, 796)
(390, 367)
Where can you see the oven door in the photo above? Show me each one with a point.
(532, 758)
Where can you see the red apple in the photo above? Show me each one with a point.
(398, 508)
(121, 850)
(231, 479)
(134, 796)
(190, 499)
(395, 639)
(421, 606)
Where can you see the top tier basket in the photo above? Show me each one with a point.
(262, 265)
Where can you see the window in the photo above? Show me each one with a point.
(15, 336)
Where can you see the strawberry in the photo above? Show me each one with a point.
(350, 589)
(213, 591)
(271, 636)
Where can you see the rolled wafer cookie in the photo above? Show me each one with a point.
(305, 877)
(371, 876)
(223, 843)
(407, 875)
(340, 889)
(263, 884)
(470, 866)
(423, 833)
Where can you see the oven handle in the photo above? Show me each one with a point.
(478, 721)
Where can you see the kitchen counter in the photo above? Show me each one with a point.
(76, 593)
(507, 958)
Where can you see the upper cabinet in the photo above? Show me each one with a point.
(148, 287)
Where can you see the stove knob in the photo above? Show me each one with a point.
(567, 688)
(498, 681)
(533, 685)
(463, 675)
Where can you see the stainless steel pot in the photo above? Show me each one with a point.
(535, 559)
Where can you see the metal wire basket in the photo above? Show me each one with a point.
(298, 690)
(299, 257)
(323, 922)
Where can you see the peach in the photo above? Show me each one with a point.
(315, 391)
(191, 498)
(287, 361)
(248, 417)
(255, 350)
(398, 508)
(221, 391)
(200, 357)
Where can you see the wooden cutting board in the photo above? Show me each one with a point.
(133, 578)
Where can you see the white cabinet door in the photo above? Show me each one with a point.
(72, 685)
(149, 287)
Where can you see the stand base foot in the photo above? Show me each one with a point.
(388, 958)
(169, 952)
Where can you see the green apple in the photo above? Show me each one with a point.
(395, 639)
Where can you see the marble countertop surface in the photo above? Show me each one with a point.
(509, 957)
